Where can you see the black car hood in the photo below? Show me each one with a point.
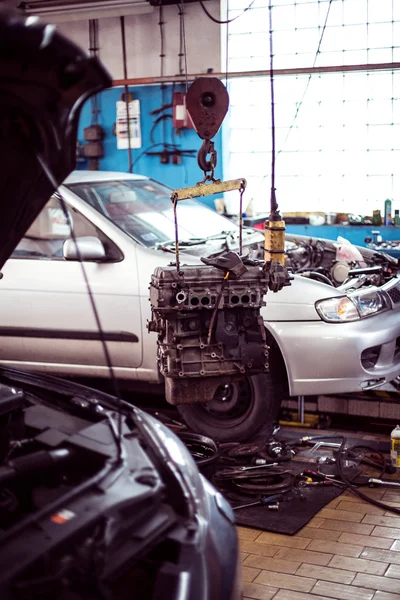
(44, 81)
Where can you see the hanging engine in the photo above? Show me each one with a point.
(208, 320)
(209, 323)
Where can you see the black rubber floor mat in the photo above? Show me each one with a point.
(295, 510)
(293, 513)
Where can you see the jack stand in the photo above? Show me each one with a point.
(301, 419)
(300, 409)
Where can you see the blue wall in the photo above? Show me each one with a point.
(175, 176)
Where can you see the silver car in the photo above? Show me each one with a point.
(323, 340)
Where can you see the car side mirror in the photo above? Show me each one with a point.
(87, 248)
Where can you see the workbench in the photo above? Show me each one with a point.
(356, 234)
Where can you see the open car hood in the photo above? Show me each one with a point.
(44, 81)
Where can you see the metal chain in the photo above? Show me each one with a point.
(205, 164)
(208, 177)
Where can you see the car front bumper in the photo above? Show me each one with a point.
(326, 358)
(221, 550)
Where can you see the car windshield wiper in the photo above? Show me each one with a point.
(191, 242)
(222, 235)
(227, 236)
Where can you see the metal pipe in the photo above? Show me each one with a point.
(300, 409)
(261, 73)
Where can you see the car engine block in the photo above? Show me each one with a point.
(209, 325)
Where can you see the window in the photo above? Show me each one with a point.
(337, 134)
(47, 234)
(143, 209)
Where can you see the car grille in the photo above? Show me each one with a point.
(370, 356)
(394, 294)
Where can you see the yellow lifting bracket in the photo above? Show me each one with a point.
(208, 189)
(202, 189)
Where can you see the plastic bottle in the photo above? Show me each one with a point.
(395, 447)
(396, 218)
(377, 218)
(387, 217)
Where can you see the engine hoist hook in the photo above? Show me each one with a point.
(207, 165)
(207, 103)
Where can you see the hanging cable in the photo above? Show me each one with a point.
(215, 20)
(126, 93)
(274, 204)
(309, 77)
(161, 24)
(52, 180)
(274, 226)
(184, 46)
(305, 91)
(94, 52)
(180, 53)
(227, 43)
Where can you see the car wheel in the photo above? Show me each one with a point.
(238, 411)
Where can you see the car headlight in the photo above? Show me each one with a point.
(352, 307)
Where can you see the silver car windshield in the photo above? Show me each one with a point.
(143, 209)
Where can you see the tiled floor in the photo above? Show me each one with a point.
(350, 550)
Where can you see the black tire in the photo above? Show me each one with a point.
(251, 409)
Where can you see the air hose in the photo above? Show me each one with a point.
(342, 454)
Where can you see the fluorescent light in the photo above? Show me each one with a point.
(57, 11)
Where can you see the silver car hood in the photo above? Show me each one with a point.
(297, 301)
(292, 303)
(44, 81)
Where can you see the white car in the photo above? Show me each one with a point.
(322, 340)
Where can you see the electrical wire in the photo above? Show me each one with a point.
(170, 147)
(318, 277)
(160, 119)
(163, 117)
(96, 315)
(227, 21)
(146, 150)
(128, 120)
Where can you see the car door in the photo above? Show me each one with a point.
(47, 320)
